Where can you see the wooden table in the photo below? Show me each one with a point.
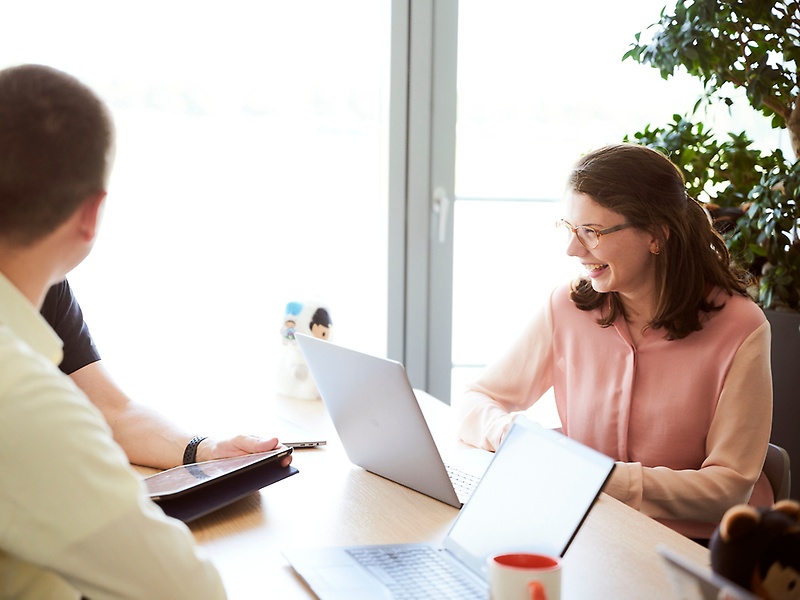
(332, 502)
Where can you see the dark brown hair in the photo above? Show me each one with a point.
(56, 140)
(649, 191)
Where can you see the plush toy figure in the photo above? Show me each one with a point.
(759, 549)
(311, 318)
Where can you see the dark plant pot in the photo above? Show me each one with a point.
(786, 387)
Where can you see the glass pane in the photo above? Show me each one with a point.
(509, 259)
(538, 87)
(250, 172)
(539, 84)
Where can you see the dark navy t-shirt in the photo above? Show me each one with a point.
(62, 311)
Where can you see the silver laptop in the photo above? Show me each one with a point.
(377, 416)
(534, 497)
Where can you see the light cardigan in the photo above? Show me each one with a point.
(688, 421)
(75, 520)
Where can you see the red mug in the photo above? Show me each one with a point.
(524, 576)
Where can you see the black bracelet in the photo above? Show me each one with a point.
(190, 454)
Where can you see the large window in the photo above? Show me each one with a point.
(250, 172)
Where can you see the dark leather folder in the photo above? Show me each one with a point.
(189, 492)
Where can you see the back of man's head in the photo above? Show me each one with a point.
(56, 140)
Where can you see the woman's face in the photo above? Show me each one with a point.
(622, 262)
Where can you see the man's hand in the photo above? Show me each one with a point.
(213, 448)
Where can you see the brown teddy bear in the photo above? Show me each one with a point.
(759, 548)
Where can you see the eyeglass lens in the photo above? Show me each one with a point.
(586, 235)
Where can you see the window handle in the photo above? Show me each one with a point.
(441, 207)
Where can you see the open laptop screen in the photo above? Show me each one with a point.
(537, 472)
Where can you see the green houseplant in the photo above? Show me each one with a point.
(754, 46)
(752, 195)
(739, 43)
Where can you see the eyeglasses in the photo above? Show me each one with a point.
(589, 237)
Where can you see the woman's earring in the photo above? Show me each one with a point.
(656, 249)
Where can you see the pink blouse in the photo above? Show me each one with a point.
(688, 421)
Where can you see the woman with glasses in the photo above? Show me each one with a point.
(657, 357)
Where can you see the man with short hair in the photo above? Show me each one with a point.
(74, 517)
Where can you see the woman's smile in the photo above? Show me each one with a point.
(594, 269)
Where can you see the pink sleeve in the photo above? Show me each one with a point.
(513, 383)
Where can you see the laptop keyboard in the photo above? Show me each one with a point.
(463, 483)
(417, 572)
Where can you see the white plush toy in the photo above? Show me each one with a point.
(311, 318)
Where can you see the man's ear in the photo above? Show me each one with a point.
(89, 215)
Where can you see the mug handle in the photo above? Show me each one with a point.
(536, 590)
